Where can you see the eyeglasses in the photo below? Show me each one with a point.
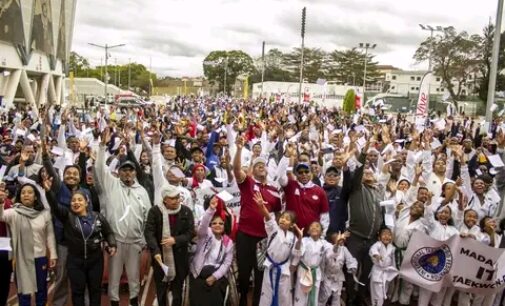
(217, 223)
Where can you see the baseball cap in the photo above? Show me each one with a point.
(127, 163)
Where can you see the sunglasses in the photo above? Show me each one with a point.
(217, 223)
(303, 172)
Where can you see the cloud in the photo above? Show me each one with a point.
(176, 35)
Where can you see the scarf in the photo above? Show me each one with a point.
(22, 242)
(195, 183)
(168, 252)
(221, 212)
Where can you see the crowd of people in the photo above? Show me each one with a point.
(294, 203)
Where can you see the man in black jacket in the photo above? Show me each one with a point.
(182, 230)
(336, 200)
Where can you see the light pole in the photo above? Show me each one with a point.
(366, 46)
(129, 72)
(494, 63)
(304, 13)
(427, 27)
(262, 69)
(106, 47)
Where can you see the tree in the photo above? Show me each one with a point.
(348, 67)
(349, 101)
(485, 51)
(314, 63)
(454, 57)
(234, 62)
(78, 64)
(274, 68)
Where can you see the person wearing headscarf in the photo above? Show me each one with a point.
(32, 233)
(212, 260)
(169, 230)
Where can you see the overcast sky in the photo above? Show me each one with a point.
(176, 35)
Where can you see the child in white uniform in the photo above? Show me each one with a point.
(409, 220)
(333, 276)
(309, 273)
(276, 286)
(440, 226)
(467, 229)
(492, 239)
(384, 267)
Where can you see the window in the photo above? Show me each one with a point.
(419, 78)
(438, 89)
(438, 79)
(417, 88)
(412, 88)
(393, 77)
(392, 87)
(412, 78)
(470, 77)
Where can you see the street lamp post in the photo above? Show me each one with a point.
(129, 72)
(427, 27)
(366, 46)
(494, 63)
(304, 13)
(106, 47)
(262, 69)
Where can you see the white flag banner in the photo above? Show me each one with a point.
(423, 100)
(463, 263)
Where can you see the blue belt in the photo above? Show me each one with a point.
(275, 284)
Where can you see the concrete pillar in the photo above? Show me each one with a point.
(12, 83)
(44, 86)
(27, 91)
(34, 85)
(52, 91)
(59, 89)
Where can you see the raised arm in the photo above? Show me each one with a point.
(203, 228)
(58, 210)
(239, 174)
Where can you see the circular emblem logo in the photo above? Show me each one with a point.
(432, 263)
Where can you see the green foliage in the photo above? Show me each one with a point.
(348, 66)
(140, 76)
(455, 56)
(349, 101)
(485, 51)
(235, 62)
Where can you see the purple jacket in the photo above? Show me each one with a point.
(203, 247)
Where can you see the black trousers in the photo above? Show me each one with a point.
(247, 262)
(5, 277)
(84, 273)
(359, 248)
(175, 285)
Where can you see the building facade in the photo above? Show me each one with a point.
(35, 42)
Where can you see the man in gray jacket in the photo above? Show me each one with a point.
(365, 219)
(126, 207)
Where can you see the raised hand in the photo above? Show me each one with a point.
(258, 198)
(298, 232)
(24, 157)
(213, 202)
(239, 142)
(156, 137)
(47, 183)
(106, 136)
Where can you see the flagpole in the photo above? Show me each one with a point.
(494, 63)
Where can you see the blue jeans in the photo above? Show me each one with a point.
(41, 267)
